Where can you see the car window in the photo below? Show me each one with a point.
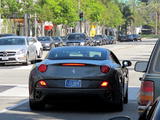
(44, 39)
(76, 37)
(78, 54)
(114, 58)
(12, 41)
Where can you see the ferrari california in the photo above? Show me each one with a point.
(79, 72)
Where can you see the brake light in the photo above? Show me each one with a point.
(104, 84)
(73, 64)
(42, 68)
(104, 69)
(146, 92)
(42, 83)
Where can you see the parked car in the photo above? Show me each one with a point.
(77, 39)
(151, 112)
(97, 40)
(130, 38)
(77, 73)
(46, 42)
(57, 42)
(136, 37)
(103, 38)
(122, 38)
(150, 82)
(17, 49)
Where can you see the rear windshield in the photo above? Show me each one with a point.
(44, 39)
(76, 37)
(72, 53)
(12, 41)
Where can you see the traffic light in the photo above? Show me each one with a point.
(81, 16)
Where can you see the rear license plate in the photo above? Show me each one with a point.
(73, 83)
(4, 58)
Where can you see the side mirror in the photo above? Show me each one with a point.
(121, 118)
(141, 66)
(126, 63)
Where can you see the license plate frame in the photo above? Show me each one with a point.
(5, 58)
(73, 83)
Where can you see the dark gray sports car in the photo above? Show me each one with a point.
(78, 72)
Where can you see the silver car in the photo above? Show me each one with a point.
(17, 49)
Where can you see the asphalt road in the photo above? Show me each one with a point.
(14, 90)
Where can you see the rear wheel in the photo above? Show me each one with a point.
(118, 98)
(2, 64)
(126, 97)
(119, 103)
(36, 105)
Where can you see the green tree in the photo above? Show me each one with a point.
(58, 11)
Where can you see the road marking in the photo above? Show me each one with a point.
(20, 91)
(17, 67)
(13, 107)
(17, 91)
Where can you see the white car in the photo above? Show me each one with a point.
(38, 45)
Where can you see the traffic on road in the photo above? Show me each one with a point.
(79, 59)
(67, 63)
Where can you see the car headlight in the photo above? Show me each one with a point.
(82, 43)
(22, 51)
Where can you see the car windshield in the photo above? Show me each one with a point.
(57, 39)
(76, 37)
(43, 39)
(78, 53)
(12, 41)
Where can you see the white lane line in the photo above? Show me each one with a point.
(17, 68)
(20, 85)
(14, 106)
(17, 91)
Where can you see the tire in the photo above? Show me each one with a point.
(41, 53)
(35, 60)
(2, 64)
(119, 103)
(126, 97)
(118, 98)
(36, 105)
(27, 60)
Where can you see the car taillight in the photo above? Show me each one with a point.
(41, 83)
(73, 64)
(104, 84)
(146, 92)
(42, 68)
(104, 69)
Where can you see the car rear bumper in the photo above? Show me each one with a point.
(52, 94)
